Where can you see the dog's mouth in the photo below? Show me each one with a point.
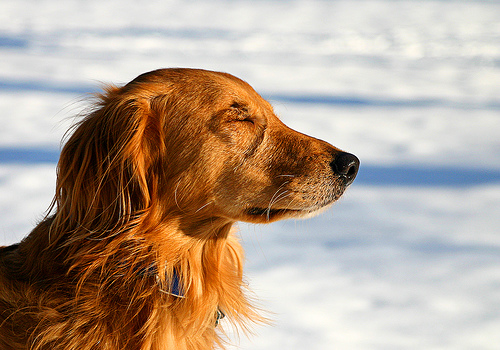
(311, 205)
(270, 214)
(260, 215)
(303, 203)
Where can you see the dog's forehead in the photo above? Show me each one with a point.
(245, 95)
(221, 89)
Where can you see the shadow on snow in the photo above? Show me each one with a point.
(370, 174)
(314, 99)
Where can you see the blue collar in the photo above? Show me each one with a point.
(175, 287)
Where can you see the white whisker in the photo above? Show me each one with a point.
(277, 199)
(203, 206)
(277, 196)
(271, 201)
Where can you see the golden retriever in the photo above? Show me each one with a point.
(137, 252)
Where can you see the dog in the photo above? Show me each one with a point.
(137, 251)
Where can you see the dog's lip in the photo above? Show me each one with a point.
(269, 215)
(256, 211)
(272, 212)
(314, 207)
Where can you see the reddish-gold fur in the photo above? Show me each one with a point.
(148, 188)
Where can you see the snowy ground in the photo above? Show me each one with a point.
(410, 257)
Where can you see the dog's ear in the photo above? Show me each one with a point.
(105, 175)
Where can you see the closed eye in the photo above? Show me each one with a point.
(247, 120)
(242, 113)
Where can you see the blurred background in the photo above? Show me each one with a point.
(410, 257)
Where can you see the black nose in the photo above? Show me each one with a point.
(345, 165)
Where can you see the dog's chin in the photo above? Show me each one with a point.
(267, 215)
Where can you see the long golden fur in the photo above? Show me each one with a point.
(138, 252)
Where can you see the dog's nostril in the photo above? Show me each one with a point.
(346, 164)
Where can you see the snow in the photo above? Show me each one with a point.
(410, 257)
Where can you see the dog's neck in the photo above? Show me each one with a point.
(204, 227)
(175, 288)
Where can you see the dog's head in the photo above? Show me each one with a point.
(205, 144)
